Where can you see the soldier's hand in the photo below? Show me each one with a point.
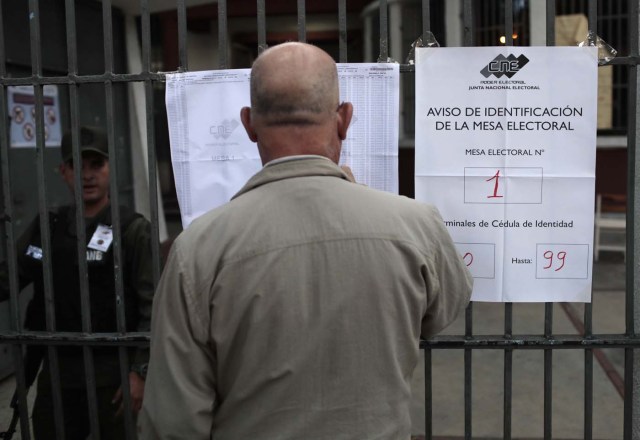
(136, 387)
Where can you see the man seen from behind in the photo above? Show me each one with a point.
(295, 310)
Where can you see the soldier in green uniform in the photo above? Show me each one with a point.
(138, 293)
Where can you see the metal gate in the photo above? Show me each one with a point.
(111, 79)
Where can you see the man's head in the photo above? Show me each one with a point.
(95, 167)
(295, 107)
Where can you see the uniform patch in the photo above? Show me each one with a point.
(34, 252)
(94, 255)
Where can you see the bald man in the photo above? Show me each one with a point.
(295, 310)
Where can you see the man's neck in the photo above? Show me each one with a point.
(93, 209)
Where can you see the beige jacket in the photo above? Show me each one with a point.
(295, 310)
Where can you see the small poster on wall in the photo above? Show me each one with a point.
(22, 112)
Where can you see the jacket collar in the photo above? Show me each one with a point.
(291, 167)
(104, 216)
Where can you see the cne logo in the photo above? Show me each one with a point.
(224, 130)
(504, 66)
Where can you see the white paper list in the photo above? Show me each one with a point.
(371, 147)
(213, 157)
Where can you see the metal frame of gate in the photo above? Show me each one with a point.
(507, 342)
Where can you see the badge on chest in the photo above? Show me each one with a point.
(34, 252)
(101, 239)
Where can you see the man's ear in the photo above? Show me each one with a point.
(345, 112)
(245, 117)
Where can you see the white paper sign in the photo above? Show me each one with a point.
(21, 105)
(101, 238)
(213, 157)
(505, 148)
(211, 154)
(371, 146)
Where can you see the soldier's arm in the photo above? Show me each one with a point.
(25, 277)
(137, 240)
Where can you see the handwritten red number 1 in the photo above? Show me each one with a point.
(495, 177)
(548, 255)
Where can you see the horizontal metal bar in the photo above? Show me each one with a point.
(625, 61)
(532, 342)
(161, 76)
(438, 342)
(84, 79)
(76, 338)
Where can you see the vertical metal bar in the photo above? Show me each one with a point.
(551, 26)
(469, 27)
(223, 47)
(508, 307)
(548, 372)
(117, 257)
(384, 31)
(302, 23)
(468, 395)
(632, 303)
(45, 230)
(588, 310)
(182, 35)
(14, 305)
(428, 374)
(426, 16)
(508, 22)
(507, 384)
(85, 304)
(469, 30)
(588, 394)
(342, 30)
(107, 23)
(154, 191)
(548, 307)
(262, 27)
(428, 395)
